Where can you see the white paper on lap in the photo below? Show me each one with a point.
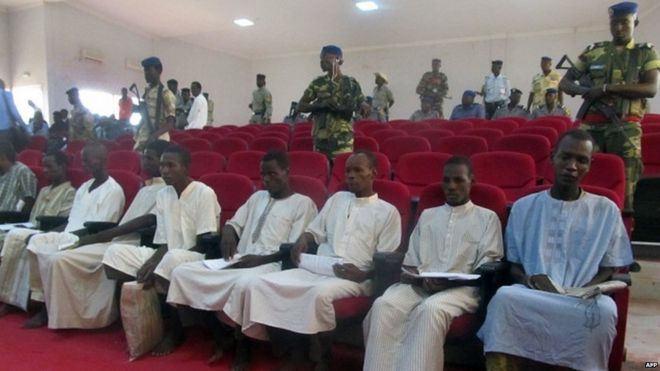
(318, 264)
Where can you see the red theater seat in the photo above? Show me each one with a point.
(125, 160)
(461, 145)
(205, 162)
(505, 125)
(195, 144)
(266, 144)
(228, 146)
(30, 157)
(129, 182)
(417, 170)
(651, 154)
(549, 133)
(394, 148)
(365, 144)
(311, 164)
(232, 191)
(513, 172)
(538, 147)
(490, 135)
(302, 143)
(247, 163)
(310, 187)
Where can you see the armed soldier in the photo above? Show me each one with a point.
(623, 75)
(434, 86)
(157, 107)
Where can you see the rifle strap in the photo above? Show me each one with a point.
(631, 78)
(159, 106)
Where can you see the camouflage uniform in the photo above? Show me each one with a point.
(540, 83)
(332, 131)
(604, 65)
(81, 126)
(262, 106)
(168, 109)
(435, 87)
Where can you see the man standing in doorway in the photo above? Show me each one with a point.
(434, 86)
(262, 103)
(199, 111)
(496, 89)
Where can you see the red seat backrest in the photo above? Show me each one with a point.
(513, 172)
(550, 122)
(39, 174)
(372, 127)
(365, 143)
(394, 148)
(205, 162)
(396, 194)
(310, 187)
(195, 144)
(311, 164)
(549, 133)
(228, 146)
(413, 127)
(461, 145)
(125, 160)
(505, 125)
(536, 146)
(37, 142)
(489, 134)
(129, 182)
(382, 135)
(651, 154)
(246, 136)
(520, 120)
(209, 135)
(417, 170)
(651, 128)
(302, 143)
(247, 163)
(30, 157)
(266, 144)
(77, 177)
(457, 126)
(232, 191)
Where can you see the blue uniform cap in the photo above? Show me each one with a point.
(546, 58)
(470, 93)
(151, 62)
(516, 91)
(624, 8)
(73, 90)
(332, 49)
(551, 91)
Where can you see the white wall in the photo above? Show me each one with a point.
(27, 43)
(465, 62)
(5, 50)
(70, 29)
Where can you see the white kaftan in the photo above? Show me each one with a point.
(197, 286)
(78, 294)
(568, 241)
(406, 328)
(300, 301)
(179, 220)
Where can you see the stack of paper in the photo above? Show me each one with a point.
(319, 264)
(218, 264)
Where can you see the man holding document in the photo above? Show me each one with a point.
(250, 246)
(562, 238)
(296, 303)
(406, 327)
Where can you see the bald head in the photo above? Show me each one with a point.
(94, 158)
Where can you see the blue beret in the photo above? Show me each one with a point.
(551, 91)
(151, 62)
(470, 93)
(73, 90)
(624, 8)
(332, 49)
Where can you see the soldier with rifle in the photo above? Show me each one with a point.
(615, 79)
(157, 107)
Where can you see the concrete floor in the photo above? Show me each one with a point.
(643, 333)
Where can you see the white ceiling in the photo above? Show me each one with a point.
(285, 27)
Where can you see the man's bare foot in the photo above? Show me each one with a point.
(218, 353)
(6, 309)
(170, 342)
(38, 320)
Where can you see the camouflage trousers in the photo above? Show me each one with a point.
(438, 107)
(335, 138)
(257, 119)
(625, 141)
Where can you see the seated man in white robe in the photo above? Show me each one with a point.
(406, 327)
(268, 219)
(558, 240)
(100, 199)
(76, 291)
(54, 199)
(296, 303)
(185, 210)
